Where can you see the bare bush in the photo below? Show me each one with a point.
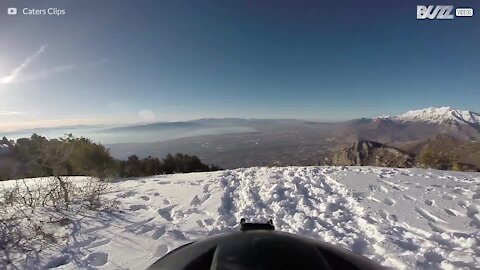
(31, 211)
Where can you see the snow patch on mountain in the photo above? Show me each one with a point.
(442, 115)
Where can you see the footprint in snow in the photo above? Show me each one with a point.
(159, 232)
(428, 216)
(163, 183)
(384, 214)
(177, 234)
(389, 202)
(359, 196)
(387, 216)
(145, 198)
(460, 191)
(452, 212)
(429, 202)
(166, 213)
(375, 188)
(195, 201)
(200, 223)
(447, 196)
(476, 195)
(464, 204)
(57, 262)
(208, 221)
(409, 198)
(137, 207)
(384, 176)
(127, 194)
(139, 224)
(372, 219)
(97, 258)
(161, 250)
(194, 184)
(383, 189)
(144, 229)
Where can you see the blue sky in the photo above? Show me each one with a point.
(136, 61)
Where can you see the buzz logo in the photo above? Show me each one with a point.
(435, 12)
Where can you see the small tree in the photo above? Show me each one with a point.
(169, 164)
(54, 156)
(437, 160)
(151, 166)
(88, 158)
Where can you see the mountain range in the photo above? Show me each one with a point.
(442, 115)
(417, 125)
(298, 142)
(412, 125)
(236, 142)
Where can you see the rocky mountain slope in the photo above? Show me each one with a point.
(370, 153)
(466, 154)
(439, 152)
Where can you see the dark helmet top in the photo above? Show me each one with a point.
(257, 246)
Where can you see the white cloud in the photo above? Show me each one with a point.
(18, 76)
(18, 70)
(59, 69)
(10, 113)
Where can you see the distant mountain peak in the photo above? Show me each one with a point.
(439, 115)
(383, 116)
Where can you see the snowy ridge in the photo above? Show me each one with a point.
(442, 115)
(383, 116)
(401, 218)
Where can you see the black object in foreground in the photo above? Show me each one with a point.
(259, 246)
(245, 226)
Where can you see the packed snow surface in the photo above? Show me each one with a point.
(401, 218)
(442, 115)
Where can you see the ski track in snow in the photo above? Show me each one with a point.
(400, 218)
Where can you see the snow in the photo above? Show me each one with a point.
(402, 218)
(442, 115)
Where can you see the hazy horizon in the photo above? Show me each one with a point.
(100, 125)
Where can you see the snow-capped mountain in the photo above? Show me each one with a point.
(442, 115)
(416, 125)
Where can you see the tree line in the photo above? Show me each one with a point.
(38, 156)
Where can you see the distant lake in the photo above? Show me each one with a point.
(105, 136)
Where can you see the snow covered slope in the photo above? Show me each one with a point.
(403, 218)
(443, 115)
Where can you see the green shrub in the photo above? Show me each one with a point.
(437, 160)
(38, 156)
